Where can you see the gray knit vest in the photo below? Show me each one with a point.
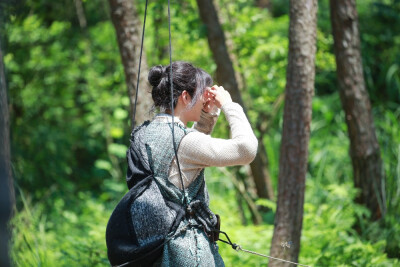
(161, 153)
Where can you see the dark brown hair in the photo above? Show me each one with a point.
(185, 77)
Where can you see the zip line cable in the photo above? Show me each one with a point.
(234, 246)
(270, 257)
(238, 247)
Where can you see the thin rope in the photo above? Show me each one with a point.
(172, 105)
(270, 257)
(238, 247)
(172, 91)
(140, 63)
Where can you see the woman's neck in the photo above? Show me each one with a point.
(178, 114)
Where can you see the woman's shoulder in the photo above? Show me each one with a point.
(139, 131)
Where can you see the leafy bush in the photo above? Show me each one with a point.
(72, 234)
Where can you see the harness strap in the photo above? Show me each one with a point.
(203, 214)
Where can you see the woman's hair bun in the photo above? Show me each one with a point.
(155, 75)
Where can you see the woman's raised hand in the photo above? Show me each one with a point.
(221, 96)
(209, 101)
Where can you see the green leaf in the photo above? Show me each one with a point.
(118, 150)
(103, 164)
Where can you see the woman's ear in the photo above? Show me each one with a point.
(186, 97)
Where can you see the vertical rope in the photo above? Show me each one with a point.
(140, 63)
(172, 105)
(172, 90)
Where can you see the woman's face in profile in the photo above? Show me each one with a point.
(195, 111)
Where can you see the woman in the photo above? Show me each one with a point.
(194, 99)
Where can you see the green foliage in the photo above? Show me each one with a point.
(388, 129)
(70, 234)
(67, 102)
(382, 71)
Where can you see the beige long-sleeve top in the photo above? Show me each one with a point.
(198, 149)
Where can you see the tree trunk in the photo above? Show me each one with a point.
(364, 147)
(296, 130)
(127, 26)
(264, 4)
(6, 183)
(226, 77)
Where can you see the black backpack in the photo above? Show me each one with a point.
(129, 243)
(137, 229)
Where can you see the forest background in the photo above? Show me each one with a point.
(70, 127)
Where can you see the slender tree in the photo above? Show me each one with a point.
(6, 184)
(226, 77)
(80, 13)
(296, 130)
(160, 41)
(128, 29)
(364, 148)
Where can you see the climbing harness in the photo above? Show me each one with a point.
(204, 214)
